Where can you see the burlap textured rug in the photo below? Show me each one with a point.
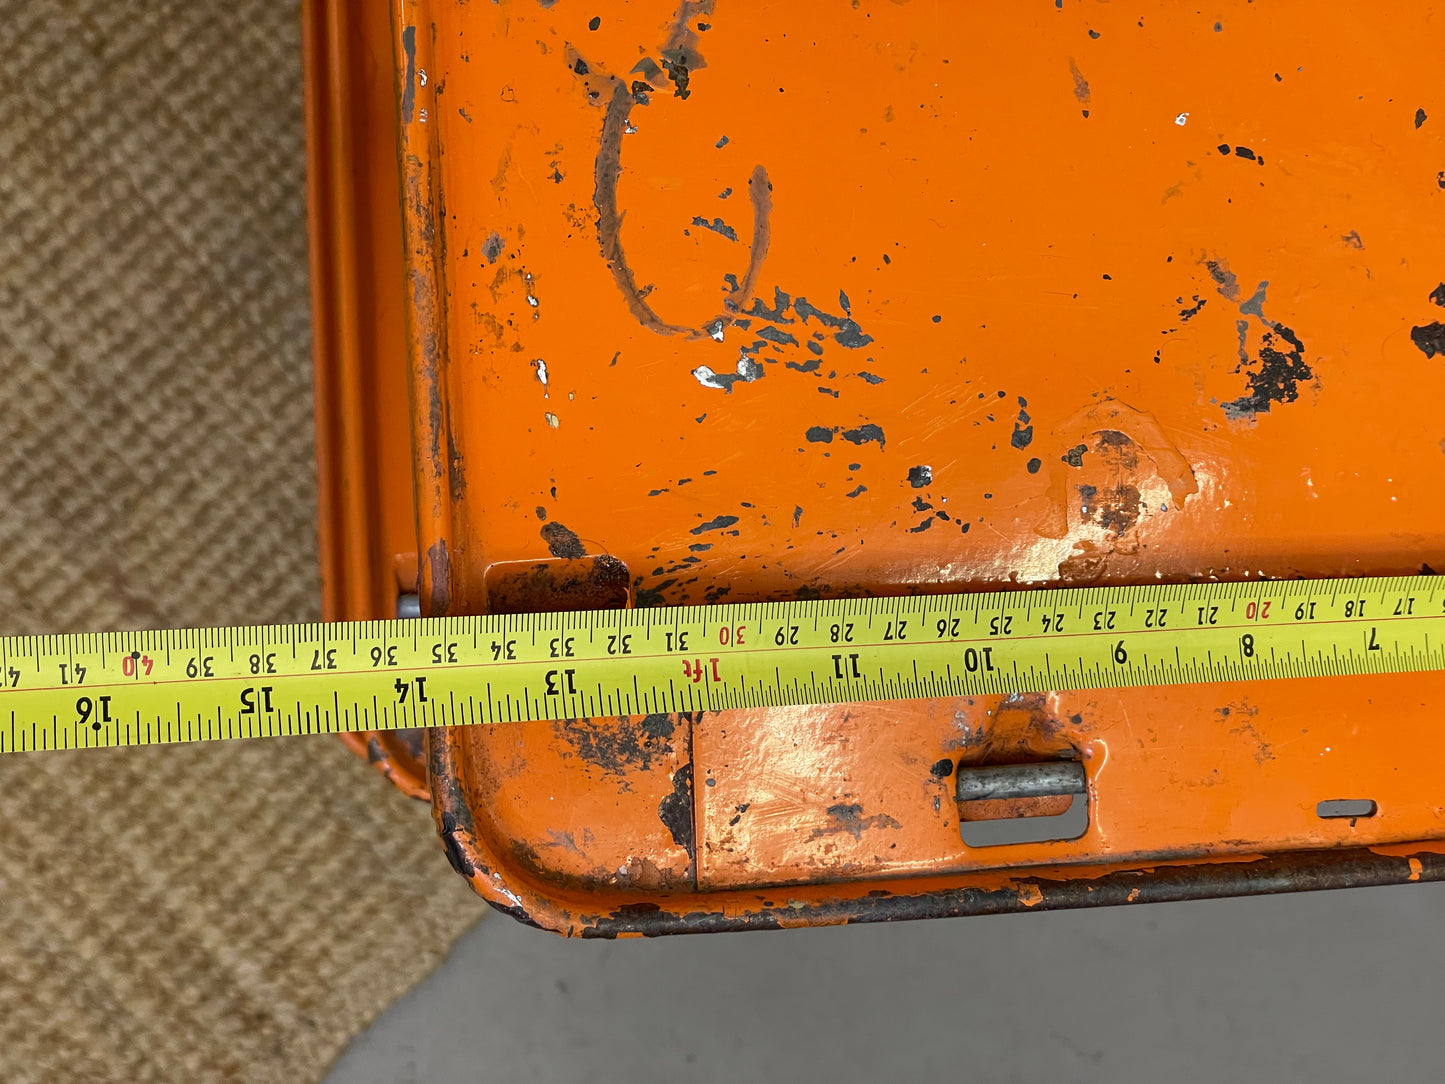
(235, 911)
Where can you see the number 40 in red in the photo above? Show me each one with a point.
(136, 665)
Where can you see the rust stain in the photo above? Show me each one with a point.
(585, 583)
(1081, 85)
(1241, 716)
(439, 581)
(1021, 729)
(562, 541)
(1120, 433)
(680, 58)
(1099, 486)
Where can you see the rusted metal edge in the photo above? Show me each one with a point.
(1297, 871)
(514, 892)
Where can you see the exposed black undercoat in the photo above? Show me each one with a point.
(717, 523)
(1277, 380)
(776, 315)
(717, 226)
(408, 83)
(847, 331)
(773, 335)
(848, 818)
(864, 434)
(1430, 338)
(455, 855)
(675, 809)
(518, 913)
(619, 746)
(647, 597)
(1189, 313)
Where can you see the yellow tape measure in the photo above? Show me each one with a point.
(142, 688)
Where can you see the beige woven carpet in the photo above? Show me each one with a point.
(192, 913)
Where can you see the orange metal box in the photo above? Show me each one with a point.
(757, 301)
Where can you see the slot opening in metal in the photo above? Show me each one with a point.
(1346, 808)
(1007, 804)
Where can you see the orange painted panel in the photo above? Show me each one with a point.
(773, 301)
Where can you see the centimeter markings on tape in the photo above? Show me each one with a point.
(92, 690)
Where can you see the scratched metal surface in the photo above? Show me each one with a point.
(778, 301)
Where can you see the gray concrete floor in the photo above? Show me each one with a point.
(1342, 986)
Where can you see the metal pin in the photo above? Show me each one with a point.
(1021, 781)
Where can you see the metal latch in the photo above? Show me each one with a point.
(1019, 803)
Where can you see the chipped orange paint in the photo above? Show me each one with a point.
(1031, 896)
(760, 301)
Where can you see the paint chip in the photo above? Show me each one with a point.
(748, 371)
(717, 226)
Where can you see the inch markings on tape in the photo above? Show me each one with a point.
(90, 690)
